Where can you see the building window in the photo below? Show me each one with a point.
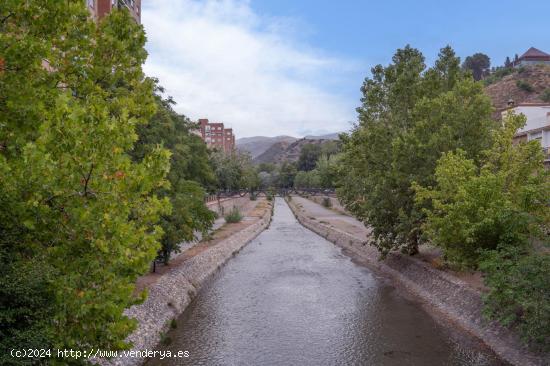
(536, 136)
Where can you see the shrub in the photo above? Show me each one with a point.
(326, 202)
(173, 324)
(545, 96)
(519, 293)
(233, 216)
(525, 86)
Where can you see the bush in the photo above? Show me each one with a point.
(233, 216)
(326, 202)
(545, 96)
(519, 293)
(525, 86)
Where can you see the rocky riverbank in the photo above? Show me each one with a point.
(447, 296)
(173, 291)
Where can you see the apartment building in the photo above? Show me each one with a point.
(216, 136)
(100, 8)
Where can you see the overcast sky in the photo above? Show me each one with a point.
(294, 67)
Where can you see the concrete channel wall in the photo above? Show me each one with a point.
(449, 297)
(173, 292)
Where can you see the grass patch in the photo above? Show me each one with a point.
(234, 216)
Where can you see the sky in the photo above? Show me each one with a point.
(295, 67)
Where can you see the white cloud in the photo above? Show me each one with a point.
(220, 60)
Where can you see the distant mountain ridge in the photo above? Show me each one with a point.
(258, 145)
(285, 151)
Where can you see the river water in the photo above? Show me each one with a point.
(292, 298)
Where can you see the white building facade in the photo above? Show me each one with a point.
(537, 126)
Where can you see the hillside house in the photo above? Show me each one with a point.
(533, 56)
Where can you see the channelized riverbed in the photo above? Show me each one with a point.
(292, 298)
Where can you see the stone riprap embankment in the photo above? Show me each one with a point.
(173, 292)
(445, 295)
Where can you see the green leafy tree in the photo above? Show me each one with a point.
(327, 170)
(83, 216)
(309, 179)
(331, 147)
(190, 172)
(479, 64)
(503, 203)
(286, 173)
(234, 171)
(409, 117)
(489, 215)
(309, 155)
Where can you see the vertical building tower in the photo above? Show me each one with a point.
(216, 136)
(100, 8)
(228, 140)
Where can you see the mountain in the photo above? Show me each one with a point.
(524, 85)
(286, 151)
(330, 136)
(257, 145)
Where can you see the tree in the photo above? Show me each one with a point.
(308, 156)
(507, 63)
(327, 170)
(478, 64)
(501, 203)
(408, 118)
(190, 173)
(234, 171)
(83, 216)
(491, 215)
(287, 172)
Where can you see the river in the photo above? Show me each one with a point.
(292, 298)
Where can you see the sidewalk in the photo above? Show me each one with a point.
(332, 218)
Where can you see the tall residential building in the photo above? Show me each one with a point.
(216, 136)
(100, 8)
